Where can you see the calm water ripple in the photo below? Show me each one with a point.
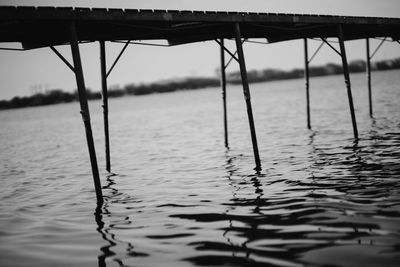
(180, 199)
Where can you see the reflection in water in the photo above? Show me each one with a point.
(102, 228)
(104, 234)
(275, 221)
(359, 187)
(101, 225)
(240, 254)
(323, 214)
(232, 172)
(112, 196)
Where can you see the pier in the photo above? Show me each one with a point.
(38, 27)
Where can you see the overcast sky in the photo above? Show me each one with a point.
(21, 73)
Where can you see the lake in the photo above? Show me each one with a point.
(179, 198)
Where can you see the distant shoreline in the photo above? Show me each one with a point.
(192, 83)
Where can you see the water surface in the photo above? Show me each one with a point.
(179, 198)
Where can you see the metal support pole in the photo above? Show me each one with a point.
(307, 78)
(104, 92)
(85, 111)
(369, 78)
(246, 92)
(347, 80)
(223, 85)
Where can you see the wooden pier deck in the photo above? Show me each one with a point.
(49, 26)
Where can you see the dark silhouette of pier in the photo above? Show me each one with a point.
(36, 27)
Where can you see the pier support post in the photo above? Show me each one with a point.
(307, 80)
(347, 80)
(85, 111)
(246, 92)
(223, 86)
(369, 78)
(104, 92)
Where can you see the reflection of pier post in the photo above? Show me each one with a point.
(105, 227)
(347, 80)
(223, 86)
(307, 80)
(85, 110)
(246, 92)
(105, 102)
(369, 78)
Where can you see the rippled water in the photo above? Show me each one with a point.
(180, 199)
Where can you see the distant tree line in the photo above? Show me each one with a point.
(54, 96)
(170, 86)
(328, 69)
(59, 96)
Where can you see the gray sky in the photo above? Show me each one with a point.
(21, 73)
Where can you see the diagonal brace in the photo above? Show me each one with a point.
(118, 57)
(230, 60)
(334, 49)
(376, 50)
(62, 58)
(229, 52)
(315, 53)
